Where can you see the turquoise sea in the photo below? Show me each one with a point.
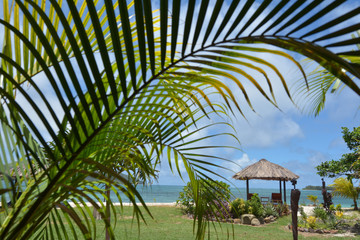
(170, 193)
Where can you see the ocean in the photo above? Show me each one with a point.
(170, 193)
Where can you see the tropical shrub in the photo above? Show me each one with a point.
(303, 214)
(321, 213)
(219, 210)
(338, 208)
(345, 188)
(313, 199)
(239, 206)
(216, 192)
(270, 210)
(255, 206)
(311, 220)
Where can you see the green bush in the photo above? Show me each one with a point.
(255, 206)
(321, 213)
(303, 214)
(239, 207)
(270, 210)
(209, 191)
(338, 208)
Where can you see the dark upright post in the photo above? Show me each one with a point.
(280, 189)
(284, 192)
(247, 189)
(295, 196)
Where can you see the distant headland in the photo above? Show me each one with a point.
(310, 187)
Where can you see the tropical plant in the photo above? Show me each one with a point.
(347, 164)
(313, 199)
(311, 96)
(255, 205)
(85, 85)
(238, 207)
(345, 188)
(208, 191)
(270, 210)
(311, 220)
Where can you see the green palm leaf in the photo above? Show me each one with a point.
(131, 83)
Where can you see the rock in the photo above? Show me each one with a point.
(311, 230)
(246, 218)
(267, 220)
(255, 222)
(289, 226)
(333, 231)
(301, 229)
(326, 231)
(261, 219)
(355, 228)
(319, 231)
(237, 221)
(230, 220)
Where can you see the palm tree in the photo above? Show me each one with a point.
(104, 80)
(345, 188)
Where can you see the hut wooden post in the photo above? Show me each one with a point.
(280, 189)
(284, 191)
(247, 188)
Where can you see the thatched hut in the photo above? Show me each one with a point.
(265, 170)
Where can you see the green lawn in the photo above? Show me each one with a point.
(169, 223)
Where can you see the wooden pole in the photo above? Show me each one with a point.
(280, 189)
(284, 192)
(247, 189)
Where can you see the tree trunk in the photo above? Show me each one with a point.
(355, 204)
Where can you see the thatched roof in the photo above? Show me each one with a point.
(263, 169)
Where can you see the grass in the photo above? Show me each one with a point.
(169, 223)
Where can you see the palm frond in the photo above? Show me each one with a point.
(126, 85)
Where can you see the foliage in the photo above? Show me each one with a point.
(311, 220)
(345, 188)
(221, 210)
(303, 214)
(312, 95)
(255, 206)
(209, 191)
(338, 208)
(282, 209)
(313, 199)
(270, 210)
(339, 214)
(239, 207)
(89, 86)
(310, 187)
(320, 213)
(346, 164)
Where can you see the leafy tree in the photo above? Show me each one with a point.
(129, 81)
(209, 191)
(346, 164)
(345, 188)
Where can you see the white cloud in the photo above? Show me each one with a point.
(244, 161)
